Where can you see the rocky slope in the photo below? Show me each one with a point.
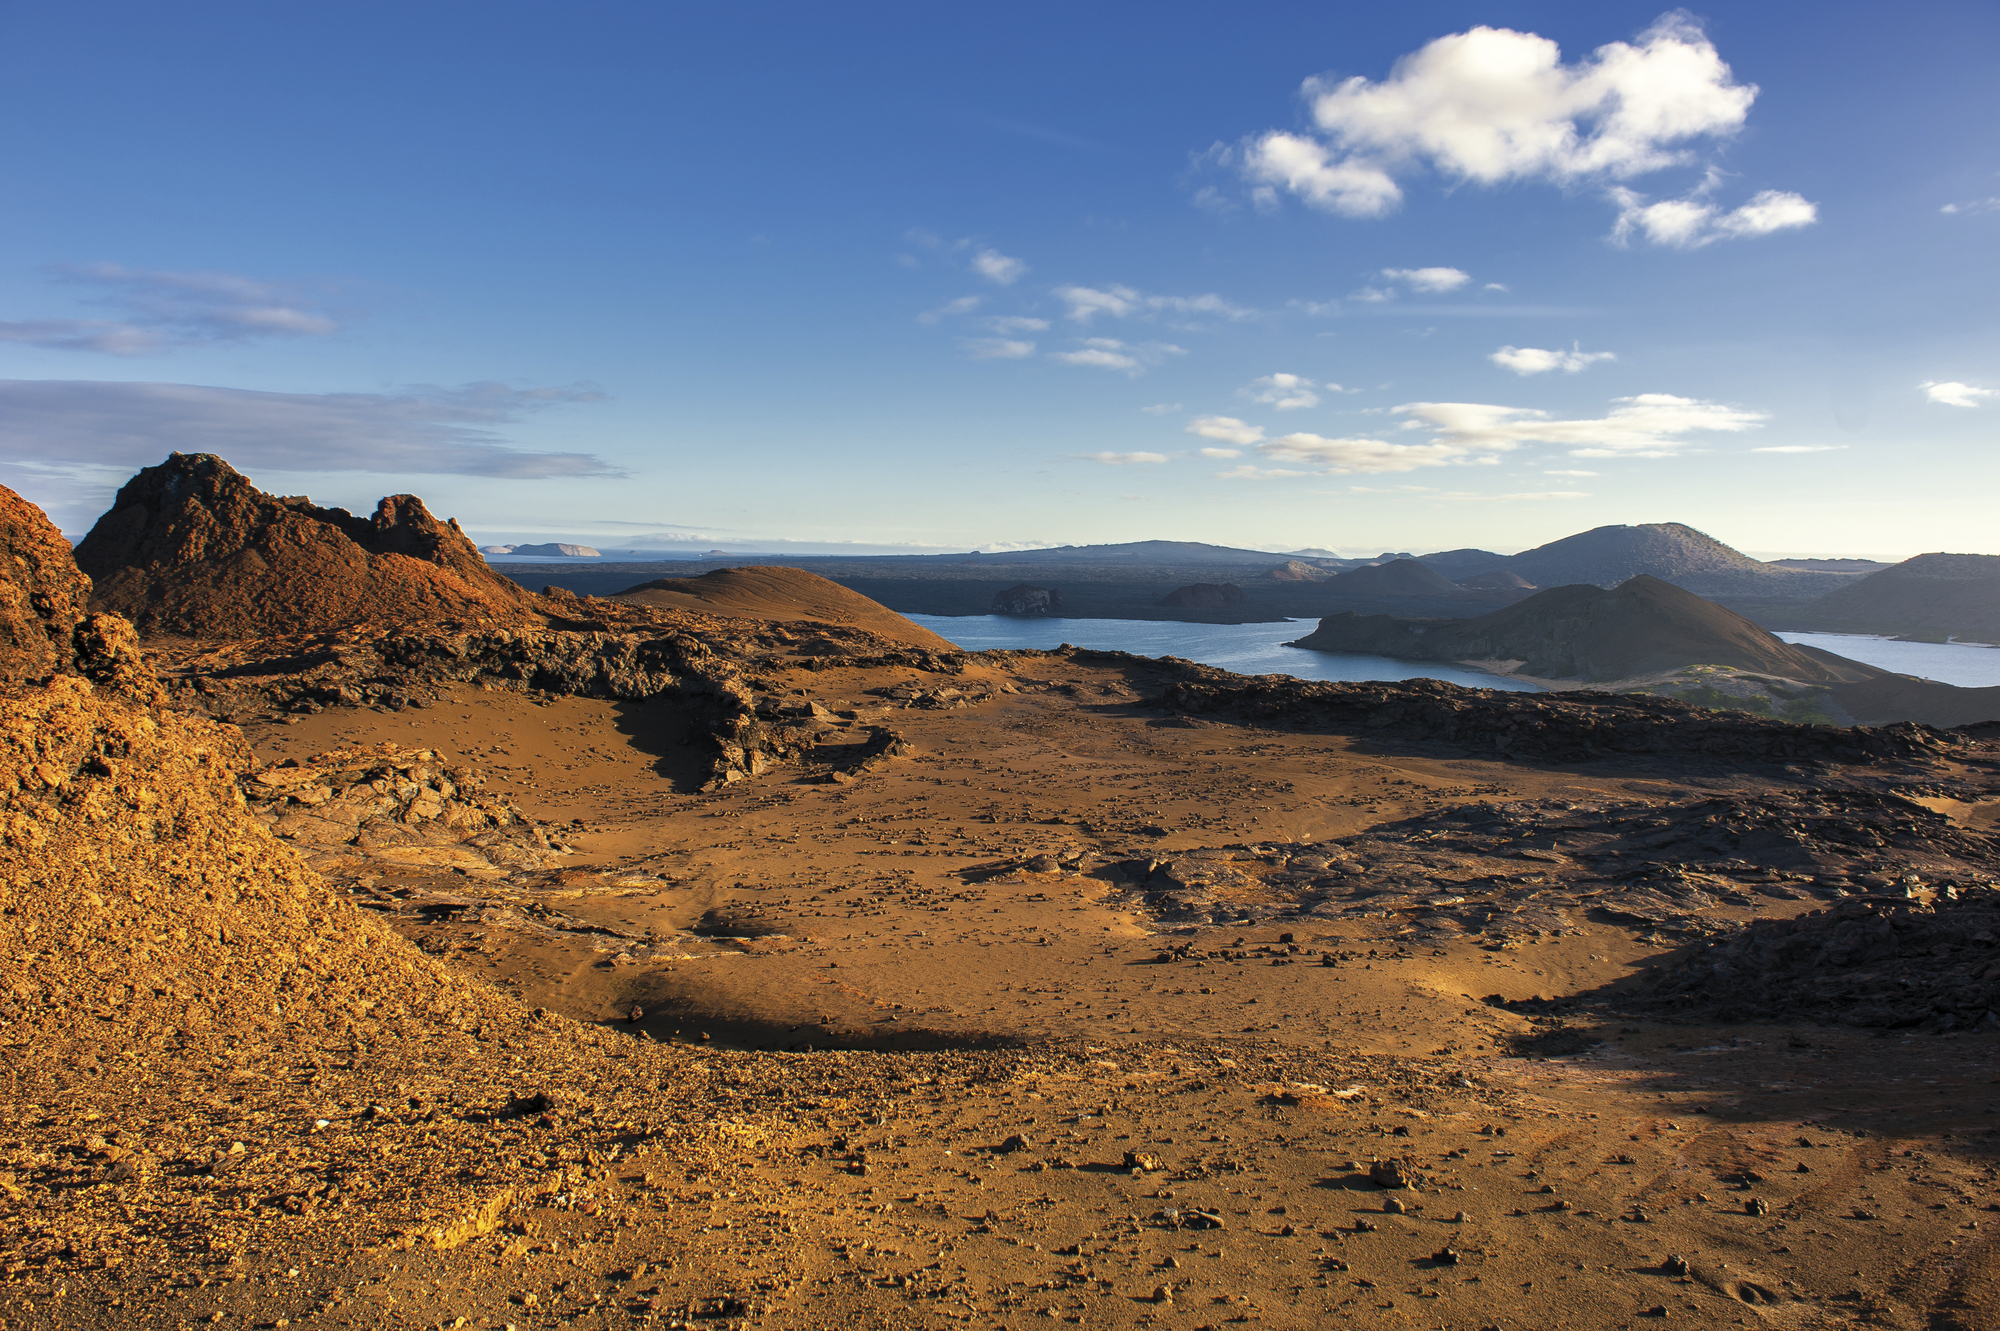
(191, 548)
(43, 596)
(1931, 597)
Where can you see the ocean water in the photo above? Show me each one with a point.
(1966, 664)
(1247, 649)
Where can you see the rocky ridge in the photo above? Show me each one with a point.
(191, 548)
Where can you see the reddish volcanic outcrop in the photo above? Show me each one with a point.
(42, 595)
(191, 548)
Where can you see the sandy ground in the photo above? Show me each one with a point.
(974, 1084)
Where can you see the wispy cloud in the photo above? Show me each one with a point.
(1125, 459)
(163, 311)
(1951, 393)
(1017, 323)
(997, 348)
(1162, 409)
(1971, 207)
(1645, 425)
(1469, 433)
(1801, 448)
(1342, 457)
(1122, 302)
(951, 308)
(1535, 360)
(65, 424)
(1429, 280)
(1108, 353)
(1285, 392)
(997, 267)
(1227, 429)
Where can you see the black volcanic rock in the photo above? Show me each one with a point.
(1204, 596)
(1023, 599)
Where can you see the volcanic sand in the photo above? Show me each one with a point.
(984, 1175)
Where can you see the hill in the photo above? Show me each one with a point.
(1644, 626)
(191, 548)
(767, 592)
(1403, 577)
(1932, 596)
(1458, 565)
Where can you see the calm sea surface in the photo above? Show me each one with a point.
(1968, 665)
(1258, 649)
(1247, 649)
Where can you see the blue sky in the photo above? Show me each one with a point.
(919, 276)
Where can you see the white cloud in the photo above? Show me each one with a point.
(1569, 473)
(997, 267)
(996, 348)
(1286, 392)
(1801, 448)
(1108, 353)
(1954, 394)
(1494, 286)
(1534, 360)
(1162, 409)
(1646, 425)
(1306, 167)
(1429, 280)
(1222, 452)
(1120, 302)
(98, 433)
(1126, 459)
(1015, 323)
(1493, 106)
(1227, 429)
(963, 305)
(1971, 207)
(1341, 457)
(166, 310)
(1692, 222)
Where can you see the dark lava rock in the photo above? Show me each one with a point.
(1023, 599)
(1203, 596)
(1867, 961)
